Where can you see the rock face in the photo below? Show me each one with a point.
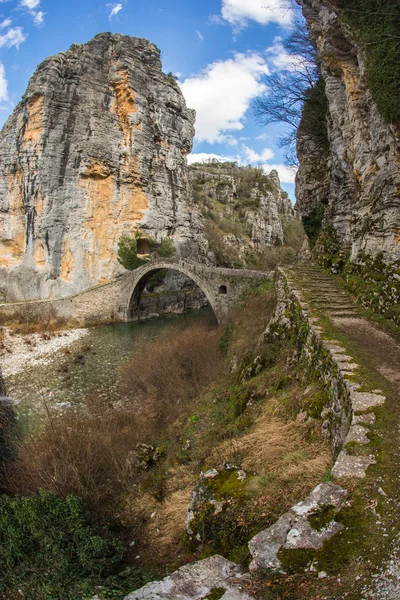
(306, 525)
(213, 577)
(96, 148)
(359, 179)
(244, 208)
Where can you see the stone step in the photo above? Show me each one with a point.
(339, 307)
(344, 314)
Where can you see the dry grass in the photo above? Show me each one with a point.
(250, 320)
(168, 525)
(32, 318)
(286, 465)
(88, 452)
(174, 370)
(274, 446)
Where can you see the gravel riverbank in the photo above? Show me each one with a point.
(22, 351)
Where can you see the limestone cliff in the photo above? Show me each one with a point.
(244, 209)
(96, 148)
(358, 179)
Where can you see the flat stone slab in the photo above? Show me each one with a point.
(362, 401)
(334, 348)
(195, 581)
(367, 419)
(357, 433)
(293, 529)
(346, 366)
(347, 465)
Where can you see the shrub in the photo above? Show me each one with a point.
(51, 549)
(127, 253)
(312, 224)
(89, 453)
(293, 232)
(174, 370)
(166, 248)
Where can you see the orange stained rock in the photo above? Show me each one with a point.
(123, 105)
(67, 259)
(39, 205)
(40, 254)
(110, 211)
(34, 125)
(13, 224)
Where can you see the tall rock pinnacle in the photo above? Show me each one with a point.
(96, 148)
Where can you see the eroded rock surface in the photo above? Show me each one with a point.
(306, 525)
(96, 147)
(358, 179)
(245, 209)
(195, 581)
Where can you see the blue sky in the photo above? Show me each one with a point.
(220, 50)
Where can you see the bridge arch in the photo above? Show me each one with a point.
(143, 273)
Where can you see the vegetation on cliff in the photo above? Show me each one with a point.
(376, 26)
(248, 219)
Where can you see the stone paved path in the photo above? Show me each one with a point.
(327, 300)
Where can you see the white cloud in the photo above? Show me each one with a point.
(6, 23)
(3, 84)
(286, 174)
(282, 60)
(30, 4)
(255, 157)
(38, 17)
(262, 136)
(13, 37)
(221, 94)
(199, 35)
(205, 156)
(239, 12)
(115, 8)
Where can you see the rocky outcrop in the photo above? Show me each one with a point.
(96, 148)
(214, 577)
(308, 524)
(244, 208)
(359, 178)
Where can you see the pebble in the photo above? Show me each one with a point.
(38, 351)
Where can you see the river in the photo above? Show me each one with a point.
(91, 365)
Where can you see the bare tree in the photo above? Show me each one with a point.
(289, 89)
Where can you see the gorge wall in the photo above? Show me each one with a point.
(245, 210)
(96, 148)
(355, 184)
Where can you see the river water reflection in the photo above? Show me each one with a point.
(91, 365)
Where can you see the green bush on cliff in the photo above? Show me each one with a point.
(312, 224)
(166, 249)
(127, 253)
(376, 25)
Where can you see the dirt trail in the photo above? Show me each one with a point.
(381, 348)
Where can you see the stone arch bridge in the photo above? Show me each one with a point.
(118, 300)
(222, 287)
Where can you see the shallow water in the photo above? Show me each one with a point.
(90, 366)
